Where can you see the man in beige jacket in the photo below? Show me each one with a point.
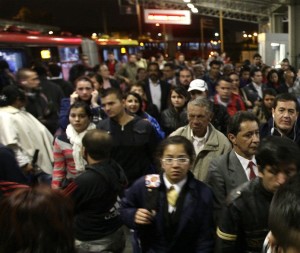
(208, 142)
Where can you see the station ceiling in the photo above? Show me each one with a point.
(254, 11)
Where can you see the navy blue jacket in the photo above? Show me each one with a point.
(195, 229)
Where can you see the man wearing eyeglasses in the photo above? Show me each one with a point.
(208, 142)
(243, 225)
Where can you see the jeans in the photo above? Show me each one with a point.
(113, 243)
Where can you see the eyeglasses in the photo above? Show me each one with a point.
(180, 160)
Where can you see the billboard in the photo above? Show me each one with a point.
(172, 17)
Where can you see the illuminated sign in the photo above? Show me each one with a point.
(45, 54)
(173, 17)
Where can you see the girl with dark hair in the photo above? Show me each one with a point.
(133, 104)
(175, 116)
(273, 79)
(162, 208)
(86, 92)
(36, 220)
(68, 160)
(24, 134)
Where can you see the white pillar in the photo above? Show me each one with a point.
(294, 34)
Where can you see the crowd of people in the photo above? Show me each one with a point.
(189, 155)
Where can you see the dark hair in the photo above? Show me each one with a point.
(182, 92)
(284, 97)
(54, 69)
(244, 68)
(284, 214)
(36, 220)
(84, 106)
(176, 140)
(83, 78)
(3, 64)
(270, 92)
(187, 69)
(139, 70)
(274, 150)
(256, 55)
(98, 77)
(22, 74)
(153, 64)
(170, 65)
(40, 68)
(271, 72)
(10, 94)
(234, 124)
(215, 62)
(138, 84)
(76, 71)
(98, 144)
(254, 71)
(286, 60)
(138, 97)
(111, 91)
(225, 79)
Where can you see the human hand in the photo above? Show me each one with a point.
(94, 100)
(143, 216)
(73, 97)
(27, 168)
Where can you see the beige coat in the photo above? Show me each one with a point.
(216, 145)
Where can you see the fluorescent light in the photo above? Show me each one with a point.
(194, 10)
(191, 6)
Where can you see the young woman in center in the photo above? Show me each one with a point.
(171, 212)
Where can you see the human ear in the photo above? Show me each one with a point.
(232, 138)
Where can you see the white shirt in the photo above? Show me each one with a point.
(259, 89)
(155, 91)
(245, 163)
(178, 187)
(199, 142)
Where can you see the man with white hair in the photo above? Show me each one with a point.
(199, 88)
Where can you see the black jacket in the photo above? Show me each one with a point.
(133, 145)
(95, 194)
(171, 120)
(244, 223)
(268, 129)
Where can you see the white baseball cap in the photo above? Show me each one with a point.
(198, 84)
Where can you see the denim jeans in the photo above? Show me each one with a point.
(113, 243)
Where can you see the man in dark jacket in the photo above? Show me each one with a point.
(97, 225)
(244, 223)
(134, 139)
(284, 122)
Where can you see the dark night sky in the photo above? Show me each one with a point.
(77, 16)
(87, 16)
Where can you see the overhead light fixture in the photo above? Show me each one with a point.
(191, 6)
(187, 1)
(194, 10)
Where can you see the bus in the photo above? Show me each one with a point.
(20, 49)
